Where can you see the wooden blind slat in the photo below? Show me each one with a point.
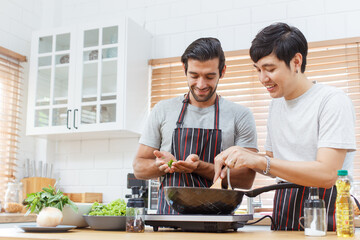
(10, 93)
(327, 53)
(13, 55)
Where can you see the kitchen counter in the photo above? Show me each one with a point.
(16, 217)
(248, 232)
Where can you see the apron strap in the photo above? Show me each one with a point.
(217, 110)
(186, 103)
(182, 113)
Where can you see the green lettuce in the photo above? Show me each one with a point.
(114, 208)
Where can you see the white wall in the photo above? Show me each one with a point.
(176, 23)
(101, 165)
(95, 166)
(18, 18)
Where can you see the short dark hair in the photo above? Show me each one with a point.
(204, 49)
(282, 40)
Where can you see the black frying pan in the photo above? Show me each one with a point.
(192, 200)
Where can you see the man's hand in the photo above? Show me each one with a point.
(188, 166)
(219, 171)
(162, 159)
(235, 157)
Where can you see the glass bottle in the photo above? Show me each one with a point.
(13, 198)
(344, 207)
(135, 212)
(315, 214)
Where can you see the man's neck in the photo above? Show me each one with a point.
(206, 104)
(302, 86)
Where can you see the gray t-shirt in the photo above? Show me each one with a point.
(236, 123)
(322, 117)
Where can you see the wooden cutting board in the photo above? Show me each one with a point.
(85, 197)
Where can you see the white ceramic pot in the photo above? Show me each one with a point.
(76, 219)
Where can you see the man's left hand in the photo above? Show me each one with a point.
(188, 166)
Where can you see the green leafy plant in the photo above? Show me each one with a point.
(48, 197)
(170, 163)
(114, 208)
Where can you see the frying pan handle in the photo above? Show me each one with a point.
(257, 191)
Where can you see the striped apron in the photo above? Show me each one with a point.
(289, 207)
(206, 143)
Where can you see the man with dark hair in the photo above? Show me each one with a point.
(310, 129)
(188, 131)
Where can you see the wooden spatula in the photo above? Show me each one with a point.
(217, 184)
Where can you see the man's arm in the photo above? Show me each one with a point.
(271, 155)
(150, 163)
(319, 173)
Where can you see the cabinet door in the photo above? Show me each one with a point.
(50, 83)
(99, 79)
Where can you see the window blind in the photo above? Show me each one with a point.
(333, 62)
(10, 92)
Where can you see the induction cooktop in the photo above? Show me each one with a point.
(198, 223)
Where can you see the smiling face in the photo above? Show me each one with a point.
(203, 78)
(279, 79)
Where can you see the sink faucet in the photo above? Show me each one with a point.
(251, 204)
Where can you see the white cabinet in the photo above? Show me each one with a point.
(89, 79)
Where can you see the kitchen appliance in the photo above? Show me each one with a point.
(198, 223)
(192, 200)
(132, 181)
(153, 192)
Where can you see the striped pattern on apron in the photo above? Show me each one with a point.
(289, 207)
(206, 143)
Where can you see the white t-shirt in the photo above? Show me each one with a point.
(323, 116)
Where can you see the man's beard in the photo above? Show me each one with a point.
(205, 98)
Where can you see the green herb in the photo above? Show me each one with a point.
(170, 163)
(114, 208)
(48, 197)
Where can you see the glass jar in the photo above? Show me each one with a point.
(135, 213)
(315, 219)
(13, 198)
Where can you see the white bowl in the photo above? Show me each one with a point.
(76, 219)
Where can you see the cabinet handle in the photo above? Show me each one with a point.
(75, 110)
(67, 118)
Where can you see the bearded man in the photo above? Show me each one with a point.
(190, 130)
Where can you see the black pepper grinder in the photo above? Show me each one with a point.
(135, 212)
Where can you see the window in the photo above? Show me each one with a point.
(334, 62)
(10, 91)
